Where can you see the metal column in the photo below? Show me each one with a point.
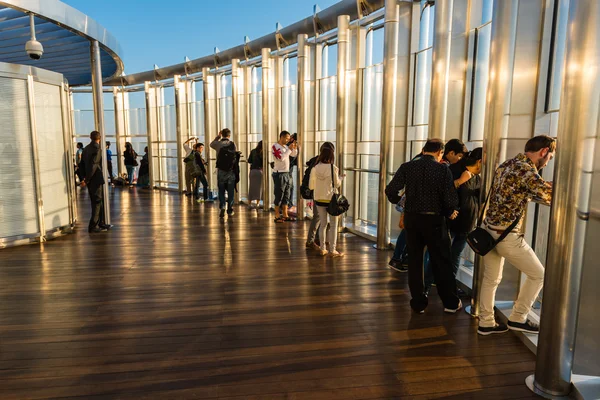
(504, 29)
(69, 156)
(236, 82)
(266, 121)
(303, 52)
(390, 58)
(97, 94)
(578, 120)
(342, 93)
(119, 125)
(247, 71)
(149, 132)
(209, 123)
(440, 77)
(36, 159)
(178, 132)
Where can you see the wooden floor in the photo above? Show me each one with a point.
(175, 304)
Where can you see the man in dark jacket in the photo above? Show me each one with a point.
(94, 180)
(430, 199)
(199, 172)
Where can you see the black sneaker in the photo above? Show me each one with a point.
(230, 213)
(527, 326)
(453, 310)
(222, 213)
(490, 330)
(97, 230)
(397, 266)
(107, 227)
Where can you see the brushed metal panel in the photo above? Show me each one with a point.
(18, 208)
(587, 343)
(53, 171)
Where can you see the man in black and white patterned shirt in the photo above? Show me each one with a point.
(430, 199)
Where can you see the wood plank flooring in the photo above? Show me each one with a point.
(175, 303)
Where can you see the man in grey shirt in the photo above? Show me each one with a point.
(225, 170)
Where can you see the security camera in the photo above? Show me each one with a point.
(34, 49)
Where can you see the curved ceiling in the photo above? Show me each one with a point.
(65, 34)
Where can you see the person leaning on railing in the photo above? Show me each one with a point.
(516, 182)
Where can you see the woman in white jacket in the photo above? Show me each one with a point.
(324, 181)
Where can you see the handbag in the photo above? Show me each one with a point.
(339, 203)
(480, 240)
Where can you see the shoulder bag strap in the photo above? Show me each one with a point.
(332, 178)
(509, 229)
(484, 205)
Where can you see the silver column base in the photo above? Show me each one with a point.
(469, 310)
(530, 382)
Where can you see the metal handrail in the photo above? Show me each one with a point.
(370, 171)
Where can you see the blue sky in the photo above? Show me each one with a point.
(163, 33)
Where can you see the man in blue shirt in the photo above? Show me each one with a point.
(109, 161)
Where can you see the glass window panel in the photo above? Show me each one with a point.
(372, 98)
(480, 83)
(329, 61)
(558, 56)
(423, 87)
(374, 49)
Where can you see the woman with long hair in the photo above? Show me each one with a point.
(325, 181)
(255, 161)
(130, 159)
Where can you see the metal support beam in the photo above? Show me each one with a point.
(209, 121)
(390, 68)
(119, 126)
(247, 71)
(179, 122)
(68, 128)
(578, 120)
(36, 159)
(97, 94)
(150, 131)
(303, 58)
(440, 76)
(504, 31)
(236, 83)
(267, 125)
(343, 56)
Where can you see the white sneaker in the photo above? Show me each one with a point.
(323, 252)
(453, 310)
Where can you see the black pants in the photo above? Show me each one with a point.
(429, 231)
(201, 179)
(110, 170)
(97, 201)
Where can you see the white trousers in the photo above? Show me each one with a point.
(518, 253)
(333, 228)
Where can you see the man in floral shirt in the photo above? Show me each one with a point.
(517, 182)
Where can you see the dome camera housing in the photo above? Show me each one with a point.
(34, 49)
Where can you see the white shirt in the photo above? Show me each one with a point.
(281, 155)
(187, 149)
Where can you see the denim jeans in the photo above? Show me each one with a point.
(226, 183)
(459, 242)
(400, 250)
(201, 179)
(130, 173)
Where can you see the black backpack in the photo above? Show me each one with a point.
(305, 192)
(227, 158)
